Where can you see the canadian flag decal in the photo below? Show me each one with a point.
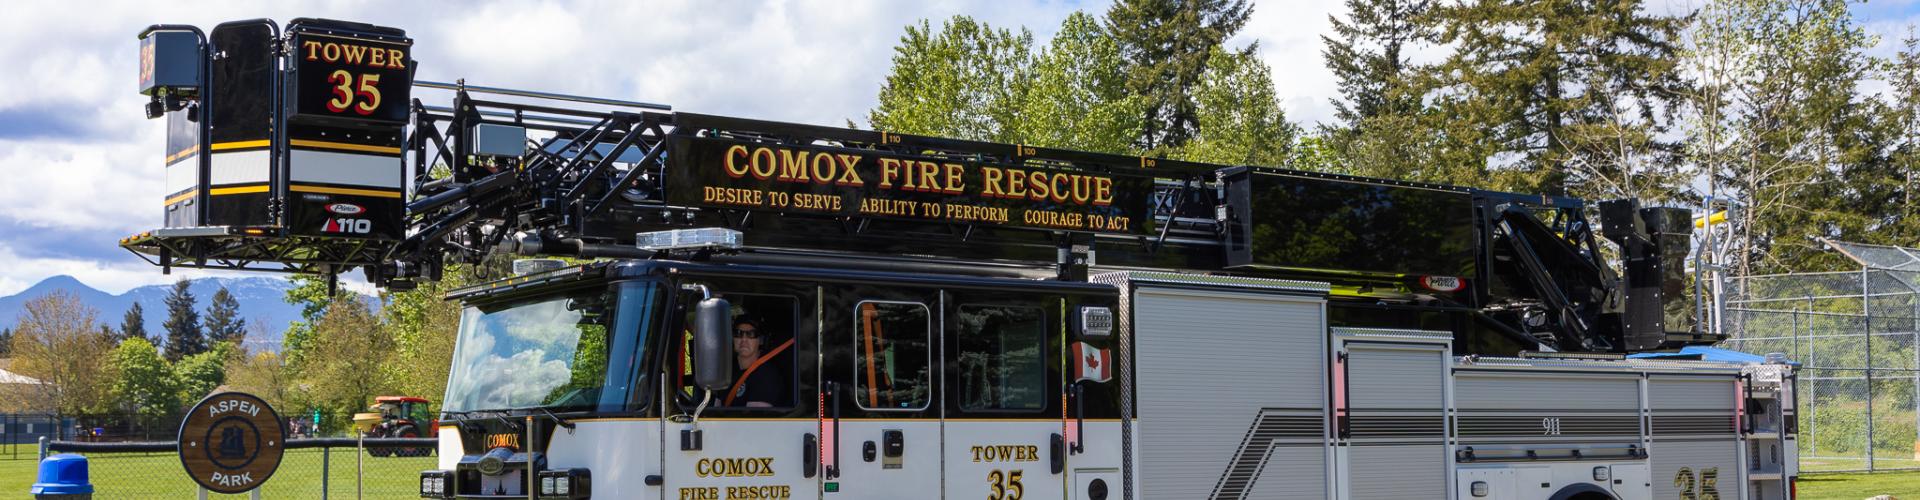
(1093, 364)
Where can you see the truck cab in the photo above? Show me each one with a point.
(858, 382)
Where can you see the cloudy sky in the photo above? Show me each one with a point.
(83, 167)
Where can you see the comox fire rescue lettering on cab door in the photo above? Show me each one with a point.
(735, 467)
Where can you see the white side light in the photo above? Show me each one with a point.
(1602, 474)
(678, 239)
(1479, 488)
(1096, 322)
(523, 267)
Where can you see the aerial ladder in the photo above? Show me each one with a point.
(306, 150)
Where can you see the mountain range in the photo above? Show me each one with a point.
(262, 301)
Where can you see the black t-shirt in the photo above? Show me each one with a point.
(766, 386)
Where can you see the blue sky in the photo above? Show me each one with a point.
(82, 165)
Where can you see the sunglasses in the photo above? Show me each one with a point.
(746, 333)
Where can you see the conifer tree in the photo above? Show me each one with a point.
(224, 323)
(1368, 56)
(133, 325)
(1577, 95)
(1904, 79)
(1166, 45)
(184, 336)
(1381, 131)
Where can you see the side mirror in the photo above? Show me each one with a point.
(712, 345)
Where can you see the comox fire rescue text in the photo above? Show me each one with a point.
(751, 309)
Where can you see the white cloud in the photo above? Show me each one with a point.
(1289, 38)
(114, 186)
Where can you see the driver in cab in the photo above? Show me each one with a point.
(758, 382)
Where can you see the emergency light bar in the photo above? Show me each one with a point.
(683, 239)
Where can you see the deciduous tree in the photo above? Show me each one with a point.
(311, 295)
(145, 383)
(1240, 119)
(263, 374)
(57, 343)
(1793, 124)
(198, 375)
(1078, 98)
(963, 82)
(343, 367)
(423, 325)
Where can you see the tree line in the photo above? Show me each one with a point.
(1763, 107)
(87, 366)
(334, 360)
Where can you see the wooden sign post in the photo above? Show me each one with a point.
(231, 442)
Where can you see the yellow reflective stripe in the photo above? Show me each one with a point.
(257, 188)
(176, 156)
(345, 146)
(241, 144)
(349, 191)
(181, 197)
(309, 144)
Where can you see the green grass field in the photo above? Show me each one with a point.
(18, 451)
(1859, 486)
(1841, 464)
(160, 476)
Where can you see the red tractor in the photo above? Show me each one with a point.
(402, 416)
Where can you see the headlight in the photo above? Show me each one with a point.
(436, 484)
(566, 483)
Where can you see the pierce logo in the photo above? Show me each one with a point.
(345, 209)
(1442, 283)
(346, 225)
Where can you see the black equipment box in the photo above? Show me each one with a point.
(1281, 221)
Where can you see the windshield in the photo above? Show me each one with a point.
(550, 352)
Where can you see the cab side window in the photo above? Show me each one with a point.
(1001, 352)
(763, 363)
(892, 356)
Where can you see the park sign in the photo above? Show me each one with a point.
(231, 442)
(854, 182)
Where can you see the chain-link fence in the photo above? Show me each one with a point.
(1854, 334)
(20, 434)
(338, 468)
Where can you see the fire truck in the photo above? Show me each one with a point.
(714, 307)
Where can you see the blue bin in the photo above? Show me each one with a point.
(63, 477)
